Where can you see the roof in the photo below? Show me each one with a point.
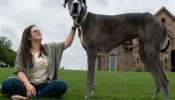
(164, 9)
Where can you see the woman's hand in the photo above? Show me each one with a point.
(29, 87)
(31, 91)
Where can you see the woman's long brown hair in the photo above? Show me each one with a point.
(26, 45)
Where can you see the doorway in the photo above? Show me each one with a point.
(173, 61)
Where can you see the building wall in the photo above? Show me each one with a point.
(170, 26)
(129, 59)
(125, 59)
(104, 62)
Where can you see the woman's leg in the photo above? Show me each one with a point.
(53, 89)
(13, 86)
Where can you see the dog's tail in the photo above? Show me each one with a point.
(165, 41)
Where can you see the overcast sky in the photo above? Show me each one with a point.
(55, 22)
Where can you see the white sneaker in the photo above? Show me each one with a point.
(19, 97)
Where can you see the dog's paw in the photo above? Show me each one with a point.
(89, 95)
(86, 98)
(154, 97)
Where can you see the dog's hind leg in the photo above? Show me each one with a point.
(146, 63)
(151, 60)
(159, 75)
(91, 73)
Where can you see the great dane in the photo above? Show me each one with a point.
(101, 33)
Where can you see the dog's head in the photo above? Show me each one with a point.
(75, 6)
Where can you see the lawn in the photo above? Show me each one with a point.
(110, 85)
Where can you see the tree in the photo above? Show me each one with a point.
(7, 55)
(6, 42)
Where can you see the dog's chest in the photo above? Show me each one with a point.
(81, 39)
(81, 35)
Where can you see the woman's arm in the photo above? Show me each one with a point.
(70, 37)
(29, 87)
(22, 76)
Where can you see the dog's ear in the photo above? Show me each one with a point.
(65, 3)
(84, 1)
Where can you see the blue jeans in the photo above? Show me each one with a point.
(51, 89)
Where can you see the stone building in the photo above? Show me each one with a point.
(126, 57)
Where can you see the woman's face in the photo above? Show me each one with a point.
(36, 34)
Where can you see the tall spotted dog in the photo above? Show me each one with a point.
(102, 33)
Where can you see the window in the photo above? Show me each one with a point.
(113, 62)
(166, 61)
(137, 60)
(163, 20)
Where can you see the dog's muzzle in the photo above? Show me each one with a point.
(75, 9)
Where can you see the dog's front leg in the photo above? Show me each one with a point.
(90, 74)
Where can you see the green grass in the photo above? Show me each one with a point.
(110, 85)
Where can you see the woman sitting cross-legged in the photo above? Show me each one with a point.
(36, 66)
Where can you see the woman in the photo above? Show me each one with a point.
(36, 66)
